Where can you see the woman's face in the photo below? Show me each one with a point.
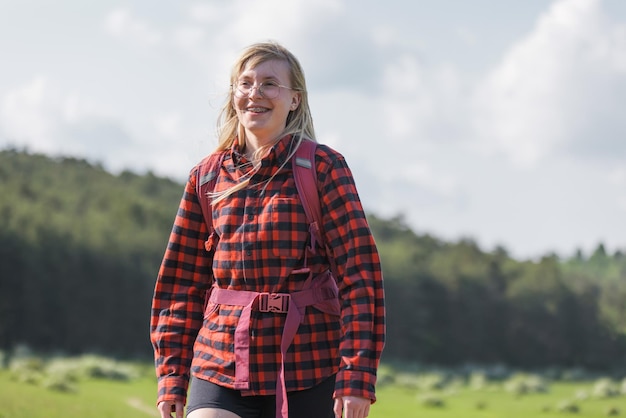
(264, 118)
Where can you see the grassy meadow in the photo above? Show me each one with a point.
(94, 387)
(560, 401)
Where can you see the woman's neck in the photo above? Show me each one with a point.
(253, 143)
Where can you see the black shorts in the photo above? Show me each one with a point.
(316, 402)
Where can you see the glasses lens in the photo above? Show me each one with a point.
(268, 91)
(241, 90)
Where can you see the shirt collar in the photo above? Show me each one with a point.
(277, 155)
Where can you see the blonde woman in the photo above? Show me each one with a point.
(225, 357)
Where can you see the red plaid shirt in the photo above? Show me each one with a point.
(259, 244)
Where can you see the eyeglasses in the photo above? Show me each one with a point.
(267, 90)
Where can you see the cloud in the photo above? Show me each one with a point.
(298, 18)
(121, 23)
(95, 138)
(40, 117)
(422, 101)
(28, 115)
(325, 35)
(558, 89)
(398, 173)
(407, 99)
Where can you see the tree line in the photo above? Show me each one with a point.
(80, 248)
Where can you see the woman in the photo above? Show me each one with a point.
(259, 244)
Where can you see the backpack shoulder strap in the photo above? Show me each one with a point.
(206, 177)
(305, 175)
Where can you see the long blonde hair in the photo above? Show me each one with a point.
(299, 121)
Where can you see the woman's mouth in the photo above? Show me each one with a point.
(257, 109)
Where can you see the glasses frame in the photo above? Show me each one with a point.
(259, 87)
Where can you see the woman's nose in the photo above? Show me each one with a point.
(256, 91)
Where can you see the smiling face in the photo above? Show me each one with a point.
(264, 119)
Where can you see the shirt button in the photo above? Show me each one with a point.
(250, 217)
(248, 252)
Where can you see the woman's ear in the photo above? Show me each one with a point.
(295, 101)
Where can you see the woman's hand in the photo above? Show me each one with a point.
(352, 407)
(165, 409)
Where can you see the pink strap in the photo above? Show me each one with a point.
(242, 336)
(324, 292)
(292, 322)
(305, 176)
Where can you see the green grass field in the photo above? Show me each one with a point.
(467, 403)
(94, 398)
(99, 398)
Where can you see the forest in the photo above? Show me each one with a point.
(80, 248)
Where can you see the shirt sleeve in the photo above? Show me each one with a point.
(178, 303)
(360, 281)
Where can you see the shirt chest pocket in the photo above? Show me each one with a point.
(288, 228)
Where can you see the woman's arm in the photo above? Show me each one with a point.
(359, 276)
(178, 302)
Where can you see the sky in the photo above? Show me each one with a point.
(501, 121)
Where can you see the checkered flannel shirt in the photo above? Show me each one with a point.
(259, 244)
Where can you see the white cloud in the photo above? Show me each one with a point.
(240, 22)
(40, 117)
(297, 18)
(423, 104)
(555, 89)
(121, 23)
(407, 101)
(325, 35)
(337, 50)
(423, 175)
(393, 87)
(28, 114)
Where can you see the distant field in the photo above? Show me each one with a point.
(96, 398)
(467, 403)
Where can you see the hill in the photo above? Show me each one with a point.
(80, 248)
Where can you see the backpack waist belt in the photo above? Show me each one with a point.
(292, 304)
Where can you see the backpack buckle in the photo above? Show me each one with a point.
(274, 302)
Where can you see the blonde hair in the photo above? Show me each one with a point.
(299, 121)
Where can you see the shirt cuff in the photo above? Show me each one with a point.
(355, 383)
(172, 389)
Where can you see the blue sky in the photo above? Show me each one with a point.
(499, 120)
